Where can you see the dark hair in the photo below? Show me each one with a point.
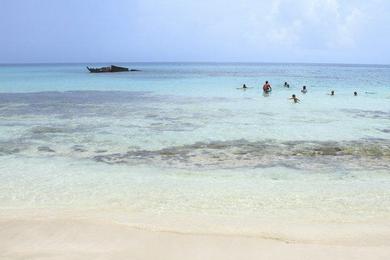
(266, 81)
(304, 87)
(293, 95)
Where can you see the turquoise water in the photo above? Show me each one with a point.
(180, 140)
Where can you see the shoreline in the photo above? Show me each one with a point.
(86, 239)
(176, 163)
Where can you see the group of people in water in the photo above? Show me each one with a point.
(267, 89)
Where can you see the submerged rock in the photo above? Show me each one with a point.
(45, 149)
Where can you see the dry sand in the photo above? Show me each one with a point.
(85, 239)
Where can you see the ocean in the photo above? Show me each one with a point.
(180, 147)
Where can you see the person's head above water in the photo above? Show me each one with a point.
(355, 93)
(304, 87)
(294, 98)
(332, 93)
(266, 82)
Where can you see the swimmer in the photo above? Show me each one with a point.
(331, 93)
(267, 87)
(304, 90)
(293, 97)
(286, 85)
(244, 87)
(355, 93)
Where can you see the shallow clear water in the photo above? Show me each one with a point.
(181, 140)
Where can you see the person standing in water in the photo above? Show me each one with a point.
(267, 87)
(294, 97)
(304, 90)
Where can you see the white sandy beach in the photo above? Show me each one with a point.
(61, 238)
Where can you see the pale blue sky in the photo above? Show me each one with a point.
(340, 31)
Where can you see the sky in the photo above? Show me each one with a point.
(320, 31)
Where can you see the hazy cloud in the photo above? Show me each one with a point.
(200, 30)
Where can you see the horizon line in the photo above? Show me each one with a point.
(192, 62)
